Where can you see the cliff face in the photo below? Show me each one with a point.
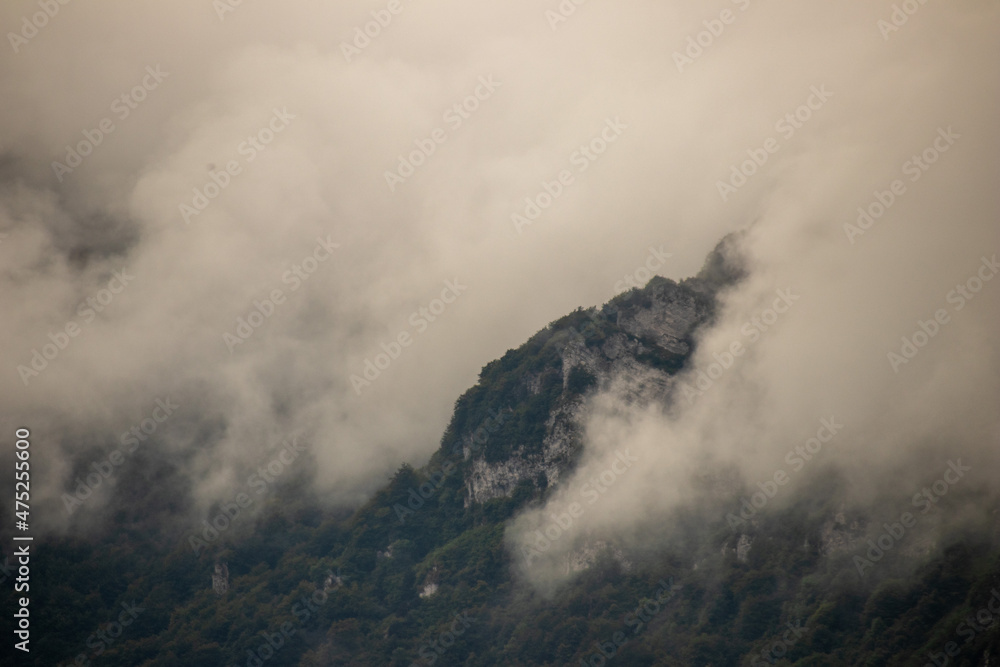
(486, 481)
(636, 343)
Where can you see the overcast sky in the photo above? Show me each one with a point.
(290, 118)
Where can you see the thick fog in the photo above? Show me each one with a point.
(238, 209)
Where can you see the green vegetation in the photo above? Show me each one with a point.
(353, 587)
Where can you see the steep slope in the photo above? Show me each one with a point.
(421, 575)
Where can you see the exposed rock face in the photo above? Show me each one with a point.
(743, 548)
(633, 346)
(220, 579)
(836, 535)
(669, 319)
(586, 556)
(645, 338)
(487, 481)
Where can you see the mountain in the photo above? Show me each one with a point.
(427, 571)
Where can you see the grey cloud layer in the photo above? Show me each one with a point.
(323, 176)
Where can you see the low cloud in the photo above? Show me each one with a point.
(210, 112)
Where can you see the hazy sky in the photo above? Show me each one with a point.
(267, 108)
(907, 136)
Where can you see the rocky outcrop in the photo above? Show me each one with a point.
(632, 346)
(837, 534)
(743, 548)
(584, 557)
(668, 320)
(486, 481)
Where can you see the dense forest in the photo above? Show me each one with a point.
(422, 576)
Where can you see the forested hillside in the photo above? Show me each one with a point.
(422, 575)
